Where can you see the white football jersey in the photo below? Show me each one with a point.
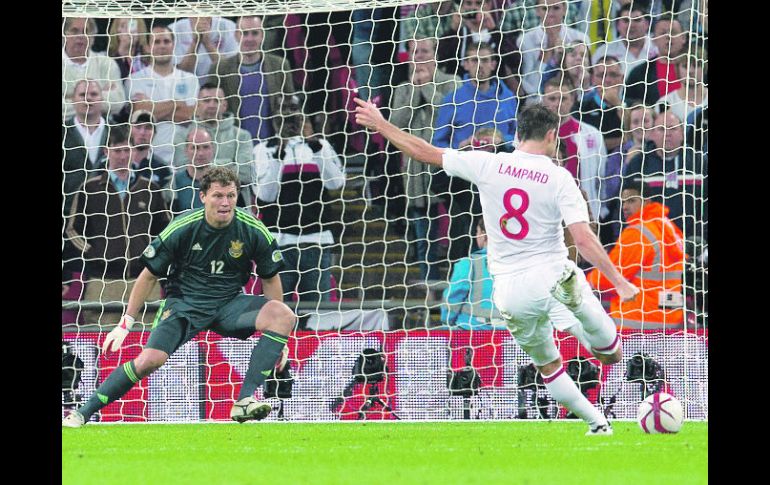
(178, 86)
(524, 199)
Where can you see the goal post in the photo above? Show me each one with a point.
(388, 232)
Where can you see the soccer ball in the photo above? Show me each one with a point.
(660, 413)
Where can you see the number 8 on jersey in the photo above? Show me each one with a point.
(515, 213)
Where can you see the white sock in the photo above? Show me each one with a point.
(566, 393)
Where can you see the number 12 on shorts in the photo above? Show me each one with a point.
(516, 213)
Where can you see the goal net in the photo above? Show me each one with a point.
(383, 262)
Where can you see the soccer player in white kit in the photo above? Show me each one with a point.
(525, 197)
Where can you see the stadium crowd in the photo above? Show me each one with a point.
(149, 105)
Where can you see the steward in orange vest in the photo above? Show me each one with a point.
(650, 254)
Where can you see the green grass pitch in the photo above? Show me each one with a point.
(447, 453)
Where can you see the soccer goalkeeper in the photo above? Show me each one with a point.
(207, 254)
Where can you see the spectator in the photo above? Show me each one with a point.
(255, 83)
(676, 172)
(113, 218)
(202, 42)
(273, 27)
(78, 61)
(127, 45)
(163, 90)
(232, 145)
(655, 78)
(462, 197)
(633, 45)
(143, 161)
(574, 61)
(468, 298)
(293, 176)
(318, 48)
(434, 19)
(415, 106)
(479, 101)
(540, 43)
(698, 9)
(477, 25)
(572, 253)
(84, 136)
(637, 124)
(698, 130)
(637, 121)
(367, 31)
(585, 146)
(523, 15)
(693, 92)
(596, 21)
(490, 140)
(650, 254)
(185, 187)
(602, 105)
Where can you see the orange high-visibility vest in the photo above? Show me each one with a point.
(650, 254)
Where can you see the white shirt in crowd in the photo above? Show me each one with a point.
(98, 67)
(267, 175)
(531, 45)
(592, 156)
(525, 198)
(222, 35)
(179, 86)
(627, 60)
(92, 141)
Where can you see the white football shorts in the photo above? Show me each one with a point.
(531, 312)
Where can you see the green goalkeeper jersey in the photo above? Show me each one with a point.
(205, 265)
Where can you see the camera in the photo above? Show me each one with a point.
(647, 371)
(279, 383)
(369, 366)
(466, 381)
(584, 372)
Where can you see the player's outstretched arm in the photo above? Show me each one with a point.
(368, 115)
(591, 249)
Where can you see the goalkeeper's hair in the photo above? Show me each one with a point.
(220, 175)
(535, 121)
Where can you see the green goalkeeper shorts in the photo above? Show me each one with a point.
(177, 322)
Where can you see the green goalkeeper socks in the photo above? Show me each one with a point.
(119, 382)
(263, 359)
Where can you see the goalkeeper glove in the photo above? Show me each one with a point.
(115, 338)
